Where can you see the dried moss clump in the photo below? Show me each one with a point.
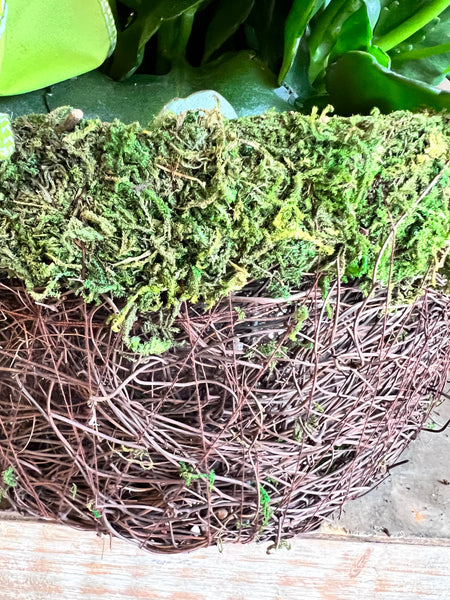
(193, 207)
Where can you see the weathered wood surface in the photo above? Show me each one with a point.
(49, 562)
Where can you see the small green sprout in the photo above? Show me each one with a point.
(10, 481)
(9, 477)
(267, 512)
(240, 313)
(300, 317)
(94, 511)
(187, 473)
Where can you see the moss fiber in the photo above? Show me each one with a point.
(193, 207)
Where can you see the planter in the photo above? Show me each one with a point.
(236, 433)
(218, 331)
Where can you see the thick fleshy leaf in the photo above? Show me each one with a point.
(339, 26)
(296, 23)
(241, 78)
(400, 19)
(264, 30)
(131, 42)
(46, 42)
(356, 83)
(355, 33)
(382, 57)
(173, 37)
(297, 78)
(229, 15)
(342, 26)
(426, 54)
(393, 13)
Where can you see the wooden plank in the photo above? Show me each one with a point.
(49, 562)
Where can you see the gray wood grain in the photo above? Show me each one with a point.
(50, 562)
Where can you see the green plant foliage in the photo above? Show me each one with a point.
(144, 21)
(194, 207)
(410, 38)
(341, 26)
(300, 317)
(258, 55)
(354, 82)
(9, 477)
(400, 19)
(230, 14)
(295, 27)
(265, 31)
(425, 56)
(399, 36)
(91, 508)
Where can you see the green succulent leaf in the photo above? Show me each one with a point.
(356, 83)
(45, 42)
(241, 78)
(265, 30)
(355, 34)
(297, 78)
(400, 19)
(382, 57)
(419, 30)
(148, 19)
(173, 37)
(296, 23)
(340, 27)
(230, 14)
(426, 54)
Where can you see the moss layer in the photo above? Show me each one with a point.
(193, 207)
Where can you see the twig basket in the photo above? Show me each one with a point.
(129, 406)
(264, 417)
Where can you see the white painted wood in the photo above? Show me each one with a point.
(50, 562)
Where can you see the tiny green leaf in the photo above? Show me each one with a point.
(9, 477)
(264, 500)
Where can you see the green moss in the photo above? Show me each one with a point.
(192, 208)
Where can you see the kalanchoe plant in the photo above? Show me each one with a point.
(352, 54)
